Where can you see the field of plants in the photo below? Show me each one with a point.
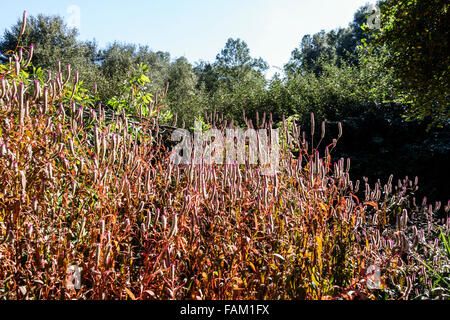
(84, 185)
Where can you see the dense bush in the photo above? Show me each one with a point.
(381, 142)
(79, 186)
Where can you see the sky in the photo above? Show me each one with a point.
(196, 29)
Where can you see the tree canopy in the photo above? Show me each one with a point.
(416, 36)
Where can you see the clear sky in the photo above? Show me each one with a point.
(196, 29)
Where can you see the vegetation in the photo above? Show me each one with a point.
(87, 178)
(416, 37)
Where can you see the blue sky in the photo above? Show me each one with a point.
(196, 29)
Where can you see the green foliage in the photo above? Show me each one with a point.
(183, 96)
(118, 62)
(132, 95)
(416, 36)
(337, 92)
(53, 42)
(235, 60)
(202, 125)
(234, 82)
(339, 45)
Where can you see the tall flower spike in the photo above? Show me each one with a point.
(37, 90)
(30, 56)
(27, 109)
(71, 147)
(97, 140)
(98, 253)
(75, 83)
(45, 100)
(24, 22)
(77, 78)
(23, 181)
(21, 106)
(4, 89)
(102, 228)
(322, 135)
(17, 65)
(174, 229)
(68, 75)
(59, 84)
(20, 55)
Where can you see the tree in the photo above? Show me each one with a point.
(241, 82)
(117, 63)
(234, 60)
(108, 68)
(416, 36)
(207, 75)
(183, 96)
(338, 46)
(235, 81)
(120, 60)
(159, 65)
(54, 41)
